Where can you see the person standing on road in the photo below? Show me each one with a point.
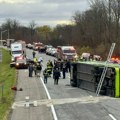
(56, 75)
(68, 66)
(35, 60)
(64, 69)
(30, 68)
(39, 68)
(45, 74)
(35, 68)
(49, 67)
(33, 53)
(40, 59)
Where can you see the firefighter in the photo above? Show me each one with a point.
(49, 67)
(35, 60)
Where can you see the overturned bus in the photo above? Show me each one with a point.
(86, 75)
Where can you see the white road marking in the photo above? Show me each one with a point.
(112, 117)
(49, 102)
(52, 107)
(90, 95)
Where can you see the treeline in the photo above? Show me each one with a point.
(93, 30)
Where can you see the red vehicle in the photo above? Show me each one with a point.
(66, 53)
(20, 62)
(38, 46)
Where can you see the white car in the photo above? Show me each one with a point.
(48, 51)
(53, 52)
(30, 46)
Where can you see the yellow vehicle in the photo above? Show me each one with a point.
(87, 75)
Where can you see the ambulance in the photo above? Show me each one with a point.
(66, 53)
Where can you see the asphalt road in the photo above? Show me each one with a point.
(61, 102)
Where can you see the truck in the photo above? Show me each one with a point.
(87, 75)
(18, 49)
(18, 55)
(66, 53)
(38, 46)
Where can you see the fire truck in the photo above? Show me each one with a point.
(66, 53)
(38, 46)
(87, 75)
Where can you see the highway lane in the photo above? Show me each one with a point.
(33, 88)
(76, 104)
(70, 103)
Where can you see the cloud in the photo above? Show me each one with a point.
(17, 1)
(41, 11)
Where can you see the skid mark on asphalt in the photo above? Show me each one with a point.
(82, 100)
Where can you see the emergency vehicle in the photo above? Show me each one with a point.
(20, 62)
(38, 46)
(86, 75)
(66, 53)
(88, 57)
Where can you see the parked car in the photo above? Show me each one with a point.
(53, 52)
(48, 50)
(30, 46)
(48, 46)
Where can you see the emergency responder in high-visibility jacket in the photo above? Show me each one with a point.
(35, 60)
(49, 70)
(49, 67)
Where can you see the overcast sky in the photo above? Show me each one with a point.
(43, 12)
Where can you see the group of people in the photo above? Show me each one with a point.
(57, 68)
(54, 69)
(50, 70)
(35, 66)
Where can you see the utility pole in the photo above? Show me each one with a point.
(8, 34)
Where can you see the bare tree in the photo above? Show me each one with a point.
(115, 6)
(32, 26)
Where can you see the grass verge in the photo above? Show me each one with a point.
(7, 80)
